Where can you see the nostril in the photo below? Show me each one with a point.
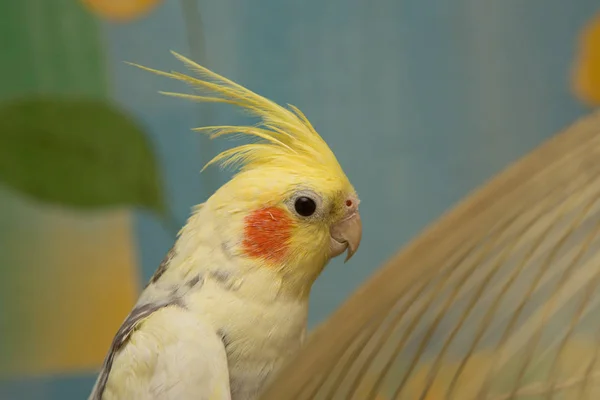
(348, 203)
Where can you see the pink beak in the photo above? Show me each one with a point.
(346, 234)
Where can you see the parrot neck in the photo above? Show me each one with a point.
(210, 248)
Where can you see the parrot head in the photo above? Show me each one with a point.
(290, 207)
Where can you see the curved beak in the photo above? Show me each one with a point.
(346, 235)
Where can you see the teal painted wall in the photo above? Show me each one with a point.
(422, 101)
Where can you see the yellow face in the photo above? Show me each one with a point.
(295, 221)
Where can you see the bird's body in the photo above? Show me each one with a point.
(228, 305)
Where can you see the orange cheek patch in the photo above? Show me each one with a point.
(267, 233)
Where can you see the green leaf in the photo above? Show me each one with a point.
(78, 153)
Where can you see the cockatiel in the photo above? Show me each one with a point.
(229, 303)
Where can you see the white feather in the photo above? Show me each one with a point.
(174, 355)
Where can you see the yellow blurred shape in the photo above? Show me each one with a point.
(121, 10)
(586, 71)
(438, 384)
(576, 371)
(76, 281)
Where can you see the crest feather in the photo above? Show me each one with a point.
(283, 134)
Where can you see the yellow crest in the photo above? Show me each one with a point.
(285, 136)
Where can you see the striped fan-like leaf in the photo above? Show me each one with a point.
(500, 299)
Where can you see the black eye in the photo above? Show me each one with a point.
(305, 206)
